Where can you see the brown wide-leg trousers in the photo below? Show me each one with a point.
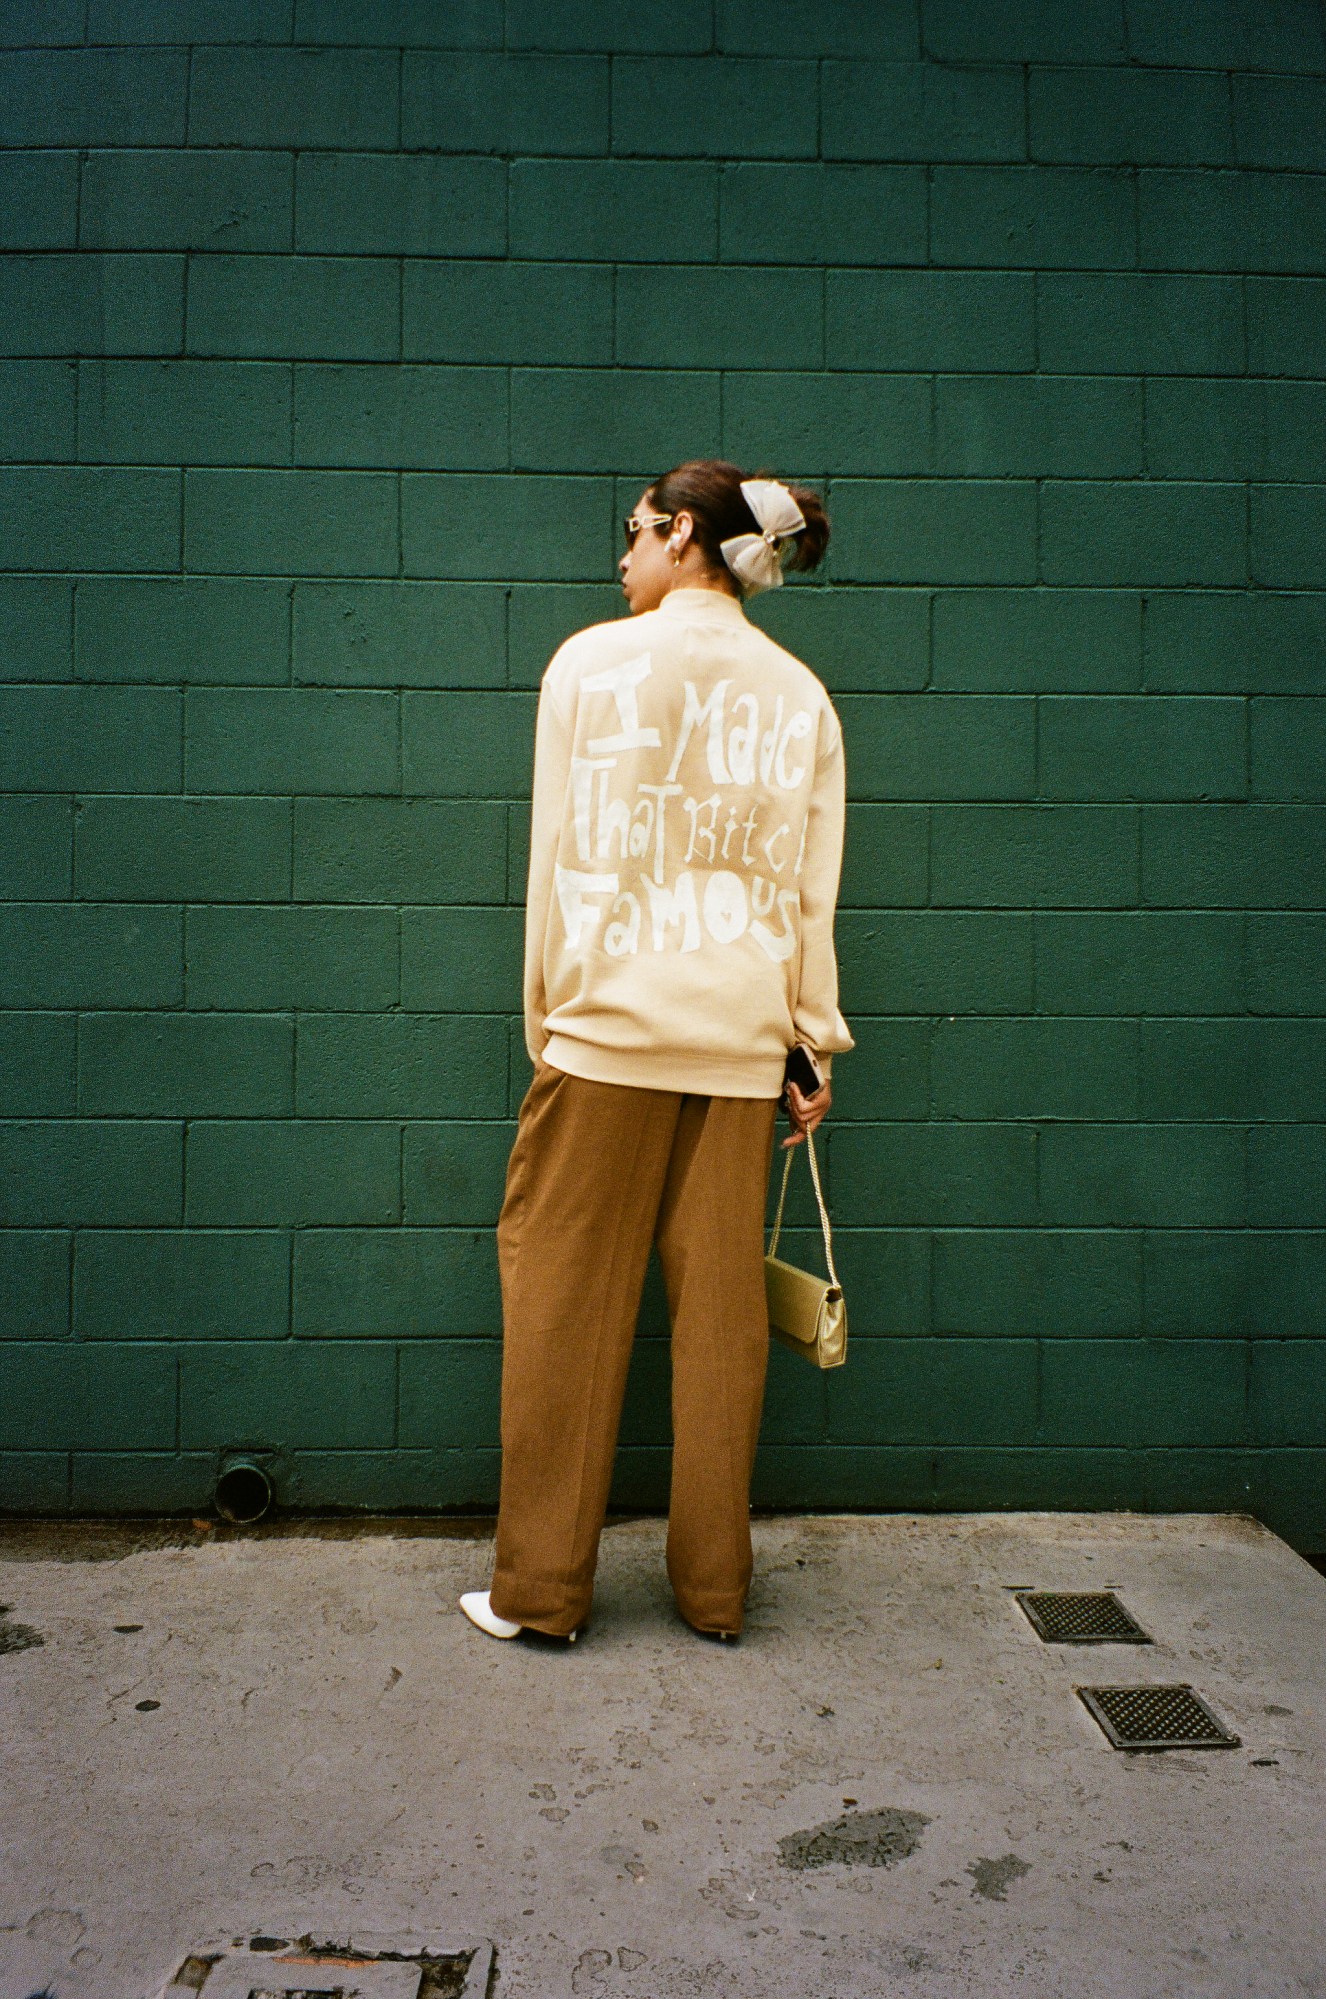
(598, 1171)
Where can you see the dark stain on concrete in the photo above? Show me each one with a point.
(15, 1637)
(113, 1539)
(993, 1876)
(858, 1839)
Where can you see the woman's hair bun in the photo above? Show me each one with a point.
(809, 542)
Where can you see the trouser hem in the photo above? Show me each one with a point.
(549, 1623)
(711, 1616)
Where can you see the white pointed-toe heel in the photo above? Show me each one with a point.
(477, 1608)
(475, 1603)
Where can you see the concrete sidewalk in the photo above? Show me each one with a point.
(300, 1735)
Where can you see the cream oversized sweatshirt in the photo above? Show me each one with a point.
(686, 839)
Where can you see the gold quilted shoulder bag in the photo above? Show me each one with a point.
(806, 1313)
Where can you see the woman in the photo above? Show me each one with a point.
(686, 842)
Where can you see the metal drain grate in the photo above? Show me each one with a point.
(1080, 1617)
(1171, 1717)
(274, 1968)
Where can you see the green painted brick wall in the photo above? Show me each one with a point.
(337, 337)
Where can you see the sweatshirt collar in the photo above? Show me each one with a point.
(691, 602)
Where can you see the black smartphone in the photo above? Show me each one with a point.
(802, 1070)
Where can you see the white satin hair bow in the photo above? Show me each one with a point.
(754, 557)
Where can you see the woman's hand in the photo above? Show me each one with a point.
(805, 1112)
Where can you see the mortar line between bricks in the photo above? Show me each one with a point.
(932, 421)
(1135, 180)
(81, 158)
(71, 1247)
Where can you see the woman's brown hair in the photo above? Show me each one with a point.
(710, 490)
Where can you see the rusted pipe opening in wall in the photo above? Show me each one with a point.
(243, 1490)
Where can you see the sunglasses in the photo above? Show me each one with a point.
(634, 522)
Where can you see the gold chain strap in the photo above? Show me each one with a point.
(824, 1213)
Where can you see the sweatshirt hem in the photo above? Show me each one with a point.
(664, 1069)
